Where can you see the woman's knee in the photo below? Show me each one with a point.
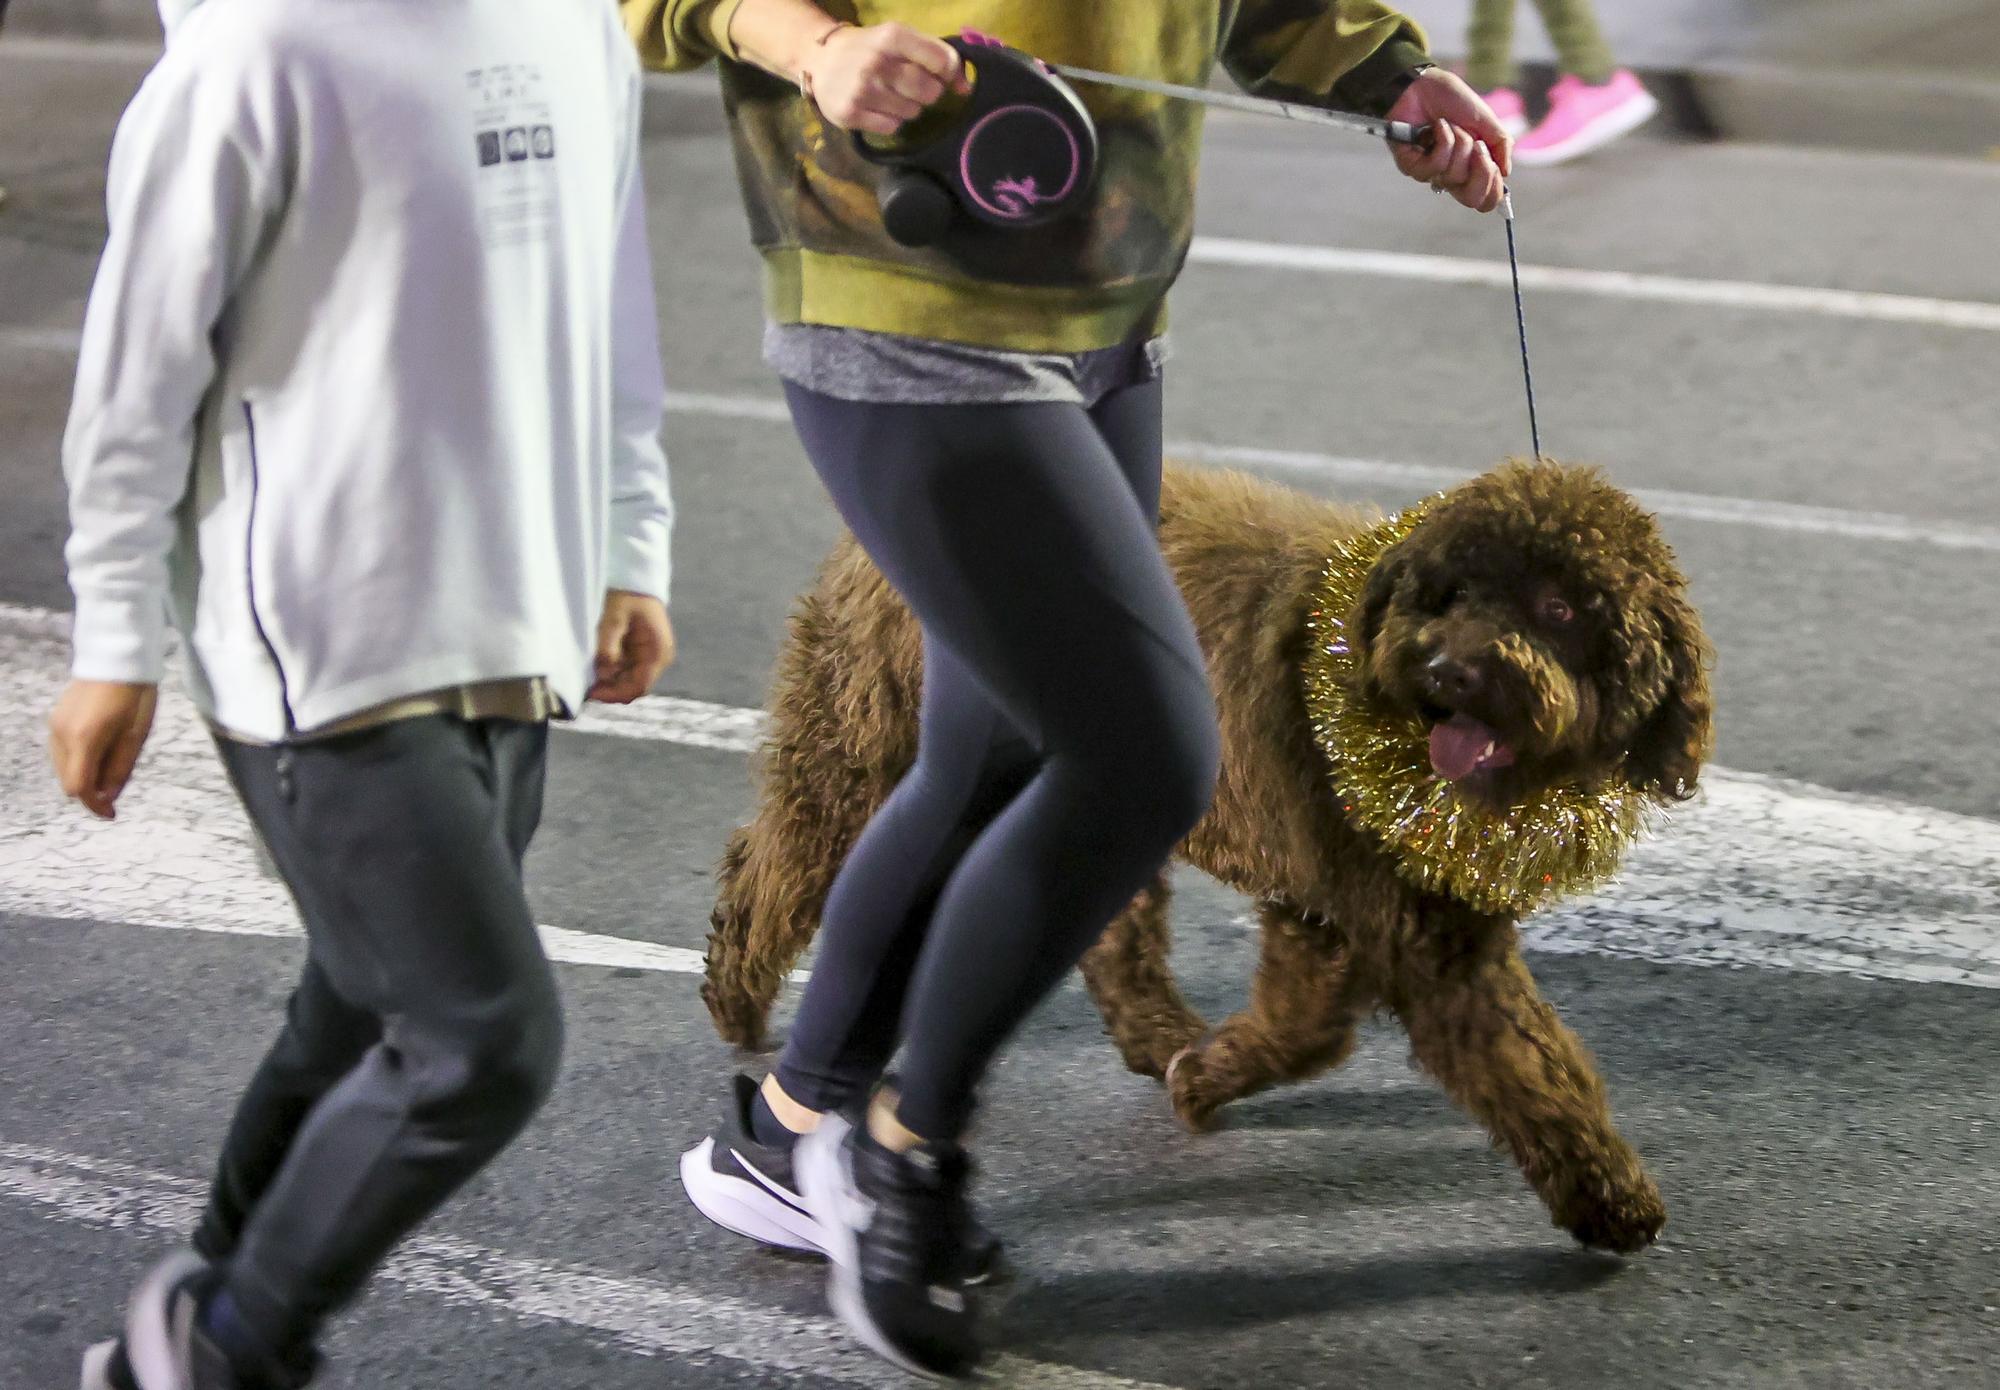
(1185, 774)
(1160, 758)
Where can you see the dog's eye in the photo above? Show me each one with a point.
(1443, 597)
(1554, 610)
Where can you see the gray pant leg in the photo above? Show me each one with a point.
(324, 1038)
(402, 846)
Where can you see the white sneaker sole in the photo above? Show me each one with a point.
(97, 1366)
(828, 1187)
(741, 1206)
(1615, 124)
(149, 1339)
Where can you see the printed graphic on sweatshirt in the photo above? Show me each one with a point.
(515, 146)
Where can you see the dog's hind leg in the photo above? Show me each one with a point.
(1128, 975)
(1477, 1023)
(1301, 1021)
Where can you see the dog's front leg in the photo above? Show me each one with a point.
(1129, 978)
(1477, 1023)
(1300, 1022)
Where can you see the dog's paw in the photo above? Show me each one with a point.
(1154, 1053)
(1624, 1221)
(1189, 1090)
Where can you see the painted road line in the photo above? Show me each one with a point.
(694, 723)
(1863, 305)
(1759, 872)
(38, 340)
(54, 48)
(181, 855)
(643, 1317)
(1866, 305)
(1372, 475)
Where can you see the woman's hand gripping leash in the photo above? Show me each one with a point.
(1467, 154)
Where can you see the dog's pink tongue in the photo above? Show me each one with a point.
(1461, 746)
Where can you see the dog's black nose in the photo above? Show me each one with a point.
(1452, 679)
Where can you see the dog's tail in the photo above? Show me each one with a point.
(738, 992)
(843, 730)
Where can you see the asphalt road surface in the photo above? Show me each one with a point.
(1792, 357)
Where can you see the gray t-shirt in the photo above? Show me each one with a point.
(853, 364)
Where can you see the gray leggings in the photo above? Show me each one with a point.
(1068, 737)
(426, 1029)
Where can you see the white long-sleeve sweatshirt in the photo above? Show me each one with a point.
(369, 396)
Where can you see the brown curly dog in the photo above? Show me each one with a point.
(1535, 619)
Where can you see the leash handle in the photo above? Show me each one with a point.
(1422, 137)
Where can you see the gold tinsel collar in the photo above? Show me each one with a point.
(1557, 842)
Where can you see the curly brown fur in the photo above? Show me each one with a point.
(1458, 622)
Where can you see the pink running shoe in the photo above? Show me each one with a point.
(1508, 106)
(1583, 118)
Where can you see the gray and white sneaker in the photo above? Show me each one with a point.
(894, 1228)
(166, 1349)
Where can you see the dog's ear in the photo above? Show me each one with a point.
(1666, 752)
(1365, 622)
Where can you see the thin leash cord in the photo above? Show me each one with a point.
(1521, 322)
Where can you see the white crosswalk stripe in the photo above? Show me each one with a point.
(1760, 872)
(639, 1316)
(1973, 315)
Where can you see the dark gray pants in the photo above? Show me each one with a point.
(426, 1029)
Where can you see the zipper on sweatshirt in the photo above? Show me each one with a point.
(256, 618)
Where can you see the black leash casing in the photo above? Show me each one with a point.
(1020, 152)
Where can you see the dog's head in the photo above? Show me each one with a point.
(1537, 622)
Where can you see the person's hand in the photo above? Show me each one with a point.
(1471, 157)
(95, 733)
(635, 646)
(876, 78)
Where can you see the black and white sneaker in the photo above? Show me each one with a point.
(748, 1187)
(894, 1228)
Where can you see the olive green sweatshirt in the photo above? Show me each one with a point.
(1090, 280)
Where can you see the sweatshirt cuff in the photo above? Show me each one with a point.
(120, 639)
(1372, 86)
(715, 24)
(640, 565)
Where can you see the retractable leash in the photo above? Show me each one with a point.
(1023, 152)
(1521, 321)
(1395, 132)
